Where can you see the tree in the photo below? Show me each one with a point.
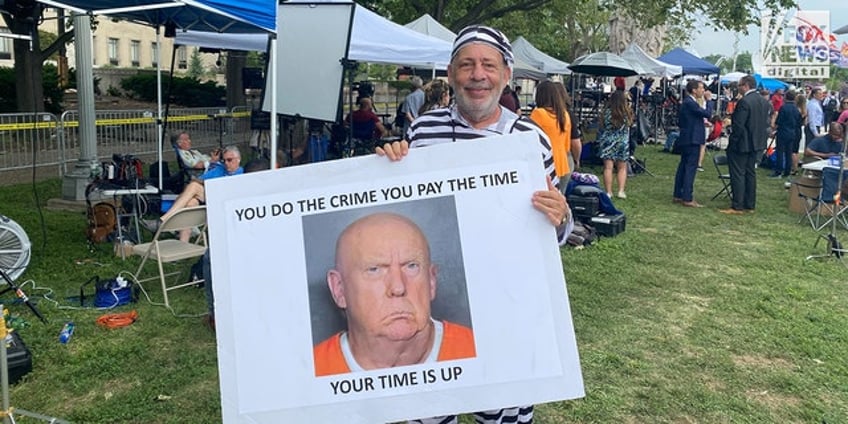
(453, 14)
(23, 19)
(195, 65)
(743, 62)
(566, 28)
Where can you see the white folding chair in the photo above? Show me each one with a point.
(166, 250)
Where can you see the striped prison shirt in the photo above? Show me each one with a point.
(446, 125)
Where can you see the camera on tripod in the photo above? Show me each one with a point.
(364, 88)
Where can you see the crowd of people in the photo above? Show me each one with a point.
(476, 101)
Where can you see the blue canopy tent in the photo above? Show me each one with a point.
(692, 65)
(239, 16)
(770, 84)
(198, 15)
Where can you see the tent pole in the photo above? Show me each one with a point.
(273, 72)
(161, 128)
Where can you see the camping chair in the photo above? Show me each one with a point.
(823, 206)
(187, 173)
(723, 170)
(172, 250)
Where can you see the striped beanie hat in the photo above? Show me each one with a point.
(484, 35)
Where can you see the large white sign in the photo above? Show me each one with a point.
(498, 276)
(797, 46)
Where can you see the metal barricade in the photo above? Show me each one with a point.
(117, 131)
(27, 138)
(57, 142)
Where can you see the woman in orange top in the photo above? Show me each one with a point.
(551, 114)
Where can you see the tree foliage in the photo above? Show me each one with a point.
(569, 28)
(53, 95)
(743, 62)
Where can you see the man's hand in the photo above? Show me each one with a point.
(395, 151)
(215, 156)
(551, 203)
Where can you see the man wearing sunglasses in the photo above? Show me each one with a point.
(195, 194)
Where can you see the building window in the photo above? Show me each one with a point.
(135, 46)
(154, 54)
(113, 51)
(182, 58)
(5, 45)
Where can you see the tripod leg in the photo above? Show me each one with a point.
(20, 293)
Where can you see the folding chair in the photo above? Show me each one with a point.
(827, 205)
(172, 250)
(723, 170)
(809, 190)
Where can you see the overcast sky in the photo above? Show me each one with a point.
(721, 42)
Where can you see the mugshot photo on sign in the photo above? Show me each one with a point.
(387, 286)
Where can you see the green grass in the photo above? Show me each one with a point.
(690, 316)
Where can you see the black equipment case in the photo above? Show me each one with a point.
(609, 225)
(583, 206)
(18, 357)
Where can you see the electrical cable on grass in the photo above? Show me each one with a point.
(117, 320)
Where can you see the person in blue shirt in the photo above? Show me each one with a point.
(195, 194)
(826, 146)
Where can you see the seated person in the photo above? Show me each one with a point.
(827, 145)
(366, 124)
(194, 193)
(192, 158)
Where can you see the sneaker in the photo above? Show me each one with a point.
(775, 176)
(700, 169)
(621, 195)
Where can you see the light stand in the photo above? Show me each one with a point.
(349, 66)
(835, 248)
(8, 413)
(20, 293)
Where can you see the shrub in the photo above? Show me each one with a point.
(53, 95)
(185, 91)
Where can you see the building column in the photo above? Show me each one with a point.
(74, 183)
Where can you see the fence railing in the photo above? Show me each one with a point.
(43, 140)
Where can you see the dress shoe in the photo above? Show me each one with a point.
(731, 211)
(209, 322)
(692, 204)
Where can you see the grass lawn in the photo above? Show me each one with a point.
(689, 316)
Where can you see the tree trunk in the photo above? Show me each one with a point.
(235, 86)
(624, 30)
(28, 87)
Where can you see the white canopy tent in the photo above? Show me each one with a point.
(636, 56)
(529, 54)
(375, 39)
(426, 24)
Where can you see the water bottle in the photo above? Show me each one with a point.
(67, 332)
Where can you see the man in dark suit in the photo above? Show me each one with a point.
(692, 137)
(749, 133)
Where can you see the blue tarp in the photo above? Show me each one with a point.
(692, 65)
(199, 15)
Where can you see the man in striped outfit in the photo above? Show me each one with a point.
(480, 68)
